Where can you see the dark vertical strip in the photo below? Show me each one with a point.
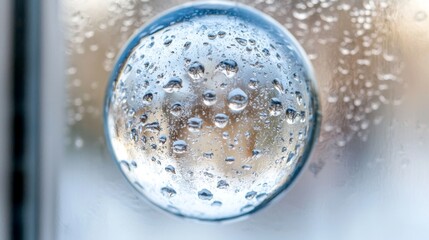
(25, 119)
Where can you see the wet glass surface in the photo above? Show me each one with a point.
(368, 174)
(186, 128)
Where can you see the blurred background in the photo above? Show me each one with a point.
(368, 176)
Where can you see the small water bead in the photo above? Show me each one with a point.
(173, 85)
(278, 85)
(216, 204)
(250, 195)
(168, 192)
(247, 208)
(176, 109)
(152, 127)
(196, 71)
(162, 139)
(275, 107)
(299, 98)
(221, 34)
(225, 135)
(209, 175)
(209, 97)
(134, 135)
(228, 67)
(147, 98)
(187, 45)
(253, 83)
(143, 118)
(125, 166)
(260, 197)
(221, 120)
(195, 124)
(222, 184)
(291, 115)
(211, 36)
(229, 160)
(168, 41)
(208, 155)
(127, 69)
(170, 169)
(200, 105)
(180, 146)
(241, 41)
(266, 52)
(237, 100)
(256, 152)
(246, 167)
(205, 195)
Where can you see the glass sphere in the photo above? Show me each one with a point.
(211, 110)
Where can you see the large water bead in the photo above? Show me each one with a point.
(211, 111)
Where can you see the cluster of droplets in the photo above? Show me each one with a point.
(364, 68)
(316, 25)
(206, 133)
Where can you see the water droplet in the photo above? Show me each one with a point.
(246, 167)
(176, 109)
(216, 204)
(127, 69)
(250, 195)
(290, 157)
(180, 146)
(152, 127)
(170, 169)
(168, 192)
(278, 85)
(195, 124)
(221, 34)
(275, 107)
(205, 195)
(196, 71)
(134, 135)
(253, 83)
(208, 155)
(168, 41)
(211, 36)
(228, 67)
(125, 166)
(221, 120)
(229, 159)
(241, 41)
(209, 175)
(225, 135)
(247, 208)
(222, 184)
(173, 85)
(299, 99)
(237, 100)
(187, 45)
(256, 152)
(261, 197)
(209, 97)
(266, 52)
(162, 139)
(148, 98)
(291, 115)
(143, 118)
